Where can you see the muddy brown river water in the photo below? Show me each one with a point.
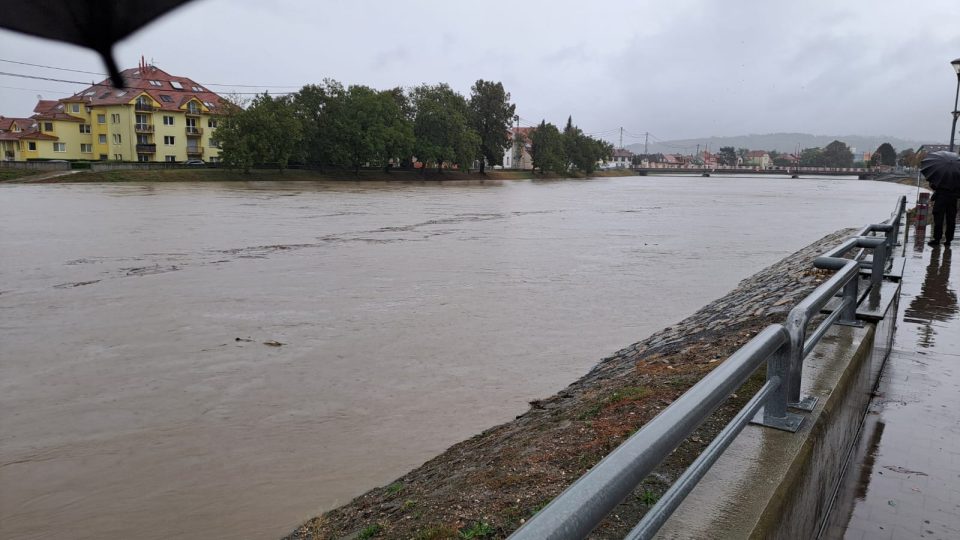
(139, 397)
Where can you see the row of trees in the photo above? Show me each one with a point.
(328, 124)
(331, 125)
(570, 150)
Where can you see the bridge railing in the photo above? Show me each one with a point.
(583, 505)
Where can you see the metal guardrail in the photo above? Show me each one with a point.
(583, 505)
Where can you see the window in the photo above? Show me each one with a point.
(115, 118)
(90, 93)
(214, 143)
(143, 139)
(211, 122)
(176, 84)
(32, 146)
(208, 104)
(86, 148)
(101, 119)
(143, 157)
(191, 125)
(156, 83)
(75, 107)
(48, 126)
(117, 139)
(142, 119)
(118, 157)
(165, 98)
(168, 120)
(170, 159)
(84, 128)
(198, 89)
(59, 147)
(102, 139)
(103, 157)
(121, 93)
(168, 140)
(214, 159)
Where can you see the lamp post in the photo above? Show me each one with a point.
(956, 112)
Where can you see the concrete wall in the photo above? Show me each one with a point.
(35, 165)
(774, 484)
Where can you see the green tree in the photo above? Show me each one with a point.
(906, 157)
(547, 148)
(312, 105)
(441, 126)
(727, 156)
(837, 154)
(742, 154)
(581, 151)
(491, 114)
(267, 131)
(885, 155)
(812, 157)
(366, 126)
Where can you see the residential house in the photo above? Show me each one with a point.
(519, 153)
(620, 158)
(156, 117)
(758, 158)
(11, 132)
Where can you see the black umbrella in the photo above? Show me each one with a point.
(97, 24)
(942, 170)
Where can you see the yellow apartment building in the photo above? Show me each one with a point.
(156, 117)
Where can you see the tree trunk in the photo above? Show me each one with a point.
(482, 163)
(439, 166)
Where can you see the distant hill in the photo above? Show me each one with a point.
(781, 142)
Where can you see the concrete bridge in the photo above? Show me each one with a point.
(863, 174)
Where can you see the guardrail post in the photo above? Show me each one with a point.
(879, 264)
(851, 291)
(774, 413)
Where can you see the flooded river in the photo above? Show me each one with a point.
(228, 360)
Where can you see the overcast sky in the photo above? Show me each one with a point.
(678, 68)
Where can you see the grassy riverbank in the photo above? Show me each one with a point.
(490, 484)
(13, 175)
(274, 175)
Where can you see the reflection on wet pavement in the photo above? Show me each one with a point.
(907, 481)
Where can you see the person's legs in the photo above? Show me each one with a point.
(950, 216)
(938, 215)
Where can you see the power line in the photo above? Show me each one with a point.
(171, 90)
(36, 90)
(104, 75)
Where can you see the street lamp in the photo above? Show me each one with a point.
(956, 111)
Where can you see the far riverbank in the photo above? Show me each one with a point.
(268, 175)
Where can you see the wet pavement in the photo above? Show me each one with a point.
(906, 480)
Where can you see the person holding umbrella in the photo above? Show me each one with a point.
(942, 170)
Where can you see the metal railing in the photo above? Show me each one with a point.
(583, 505)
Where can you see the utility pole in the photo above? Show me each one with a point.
(621, 137)
(516, 143)
(646, 138)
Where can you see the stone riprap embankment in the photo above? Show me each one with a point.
(487, 486)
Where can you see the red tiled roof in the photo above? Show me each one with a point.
(34, 134)
(152, 81)
(6, 123)
(756, 153)
(622, 152)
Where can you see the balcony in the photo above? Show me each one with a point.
(192, 112)
(194, 151)
(146, 149)
(143, 128)
(194, 131)
(144, 107)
